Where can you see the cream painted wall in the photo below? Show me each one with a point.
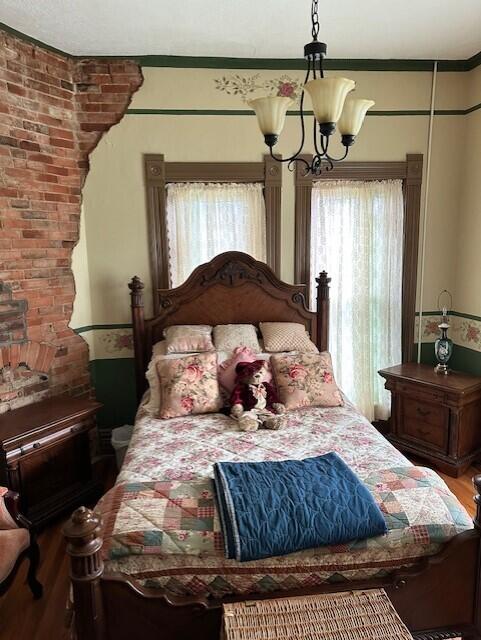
(114, 198)
(468, 272)
(82, 310)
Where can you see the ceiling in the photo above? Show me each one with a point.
(403, 29)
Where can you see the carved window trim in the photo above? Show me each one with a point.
(158, 173)
(410, 172)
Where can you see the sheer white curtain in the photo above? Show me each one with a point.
(357, 236)
(205, 219)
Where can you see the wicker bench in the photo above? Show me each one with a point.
(350, 615)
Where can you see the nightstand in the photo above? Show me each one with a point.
(45, 456)
(434, 416)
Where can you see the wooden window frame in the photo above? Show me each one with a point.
(158, 173)
(410, 172)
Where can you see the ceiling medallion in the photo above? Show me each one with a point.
(329, 103)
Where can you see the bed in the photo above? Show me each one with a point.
(150, 556)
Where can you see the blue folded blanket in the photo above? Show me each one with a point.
(274, 508)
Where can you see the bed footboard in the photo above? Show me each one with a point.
(441, 592)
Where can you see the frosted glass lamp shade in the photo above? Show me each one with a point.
(328, 96)
(271, 113)
(353, 116)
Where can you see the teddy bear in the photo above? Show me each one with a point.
(254, 403)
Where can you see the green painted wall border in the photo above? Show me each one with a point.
(211, 62)
(248, 112)
(463, 359)
(114, 384)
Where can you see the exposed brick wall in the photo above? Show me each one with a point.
(53, 112)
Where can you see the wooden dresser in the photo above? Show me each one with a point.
(45, 456)
(434, 416)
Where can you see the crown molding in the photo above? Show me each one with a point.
(203, 62)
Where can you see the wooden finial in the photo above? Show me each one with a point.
(82, 533)
(323, 280)
(136, 287)
(84, 542)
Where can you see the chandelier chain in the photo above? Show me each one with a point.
(315, 19)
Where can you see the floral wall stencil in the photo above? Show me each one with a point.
(246, 86)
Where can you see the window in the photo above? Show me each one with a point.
(330, 236)
(205, 219)
(357, 236)
(198, 209)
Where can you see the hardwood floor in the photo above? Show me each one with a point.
(22, 618)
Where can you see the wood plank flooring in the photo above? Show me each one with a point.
(22, 618)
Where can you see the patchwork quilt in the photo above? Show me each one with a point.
(161, 524)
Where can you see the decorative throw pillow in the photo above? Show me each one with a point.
(188, 338)
(226, 371)
(228, 337)
(188, 385)
(286, 336)
(306, 380)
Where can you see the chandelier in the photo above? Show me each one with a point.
(332, 109)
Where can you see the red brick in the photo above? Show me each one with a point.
(55, 112)
(16, 89)
(59, 142)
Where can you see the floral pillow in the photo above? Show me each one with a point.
(188, 338)
(286, 336)
(306, 380)
(188, 385)
(228, 337)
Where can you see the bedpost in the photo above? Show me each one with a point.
(323, 311)
(136, 287)
(86, 567)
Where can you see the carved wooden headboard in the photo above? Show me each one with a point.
(231, 288)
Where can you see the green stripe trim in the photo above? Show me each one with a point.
(249, 112)
(457, 314)
(297, 64)
(102, 327)
(211, 62)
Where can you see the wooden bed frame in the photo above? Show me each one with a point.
(439, 592)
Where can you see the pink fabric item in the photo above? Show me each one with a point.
(306, 380)
(188, 385)
(12, 543)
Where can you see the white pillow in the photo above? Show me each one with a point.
(188, 338)
(228, 337)
(286, 336)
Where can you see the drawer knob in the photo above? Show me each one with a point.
(76, 428)
(423, 412)
(37, 445)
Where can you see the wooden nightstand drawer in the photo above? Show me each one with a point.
(431, 435)
(433, 414)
